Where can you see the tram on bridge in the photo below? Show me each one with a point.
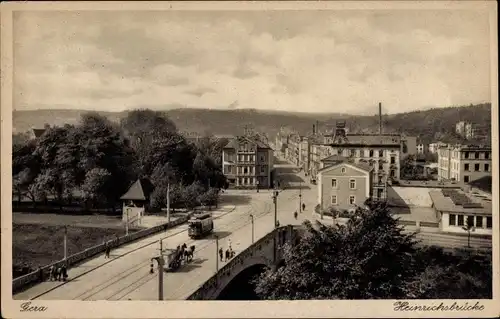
(200, 225)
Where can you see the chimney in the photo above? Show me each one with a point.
(380, 118)
(314, 129)
(317, 126)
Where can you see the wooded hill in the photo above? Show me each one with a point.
(429, 125)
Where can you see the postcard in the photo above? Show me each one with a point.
(249, 159)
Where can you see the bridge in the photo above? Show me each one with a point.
(265, 253)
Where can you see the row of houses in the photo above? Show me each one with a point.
(464, 163)
(381, 152)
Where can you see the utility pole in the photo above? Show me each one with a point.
(253, 225)
(300, 196)
(65, 242)
(126, 221)
(168, 202)
(160, 262)
(217, 253)
(275, 201)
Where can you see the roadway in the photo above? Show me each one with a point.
(126, 275)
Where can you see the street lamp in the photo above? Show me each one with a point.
(65, 242)
(275, 201)
(253, 226)
(160, 262)
(216, 253)
(300, 196)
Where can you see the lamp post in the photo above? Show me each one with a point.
(300, 196)
(126, 221)
(275, 201)
(253, 226)
(168, 202)
(65, 242)
(216, 253)
(160, 262)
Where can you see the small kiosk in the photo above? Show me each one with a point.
(136, 202)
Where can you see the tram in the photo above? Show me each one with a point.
(200, 225)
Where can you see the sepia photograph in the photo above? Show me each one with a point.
(339, 155)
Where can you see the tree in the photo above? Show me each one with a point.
(97, 186)
(368, 258)
(191, 193)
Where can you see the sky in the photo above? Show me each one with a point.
(303, 61)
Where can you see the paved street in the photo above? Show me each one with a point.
(126, 275)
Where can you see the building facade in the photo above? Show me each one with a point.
(464, 163)
(344, 185)
(248, 162)
(434, 147)
(420, 148)
(466, 129)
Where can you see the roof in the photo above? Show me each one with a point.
(38, 132)
(140, 190)
(233, 143)
(338, 160)
(371, 139)
(446, 203)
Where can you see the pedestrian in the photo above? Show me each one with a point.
(303, 206)
(108, 251)
(40, 274)
(295, 214)
(228, 255)
(221, 253)
(64, 272)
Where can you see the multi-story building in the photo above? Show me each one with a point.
(464, 163)
(408, 144)
(466, 129)
(434, 147)
(344, 185)
(248, 162)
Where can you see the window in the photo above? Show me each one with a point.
(245, 170)
(371, 153)
(460, 220)
(352, 200)
(486, 155)
(476, 167)
(486, 167)
(380, 166)
(488, 222)
(334, 183)
(393, 173)
(393, 160)
(334, 199)
(352, 184)
(262, 158)
(466, 178)
(353, 152)
(381, 153)
(262, 169)
(476, 155)
(479, 221)
(343, 170)
(453, 220)
(466, 167)
(466, 154)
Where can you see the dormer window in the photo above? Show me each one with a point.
(342, 169)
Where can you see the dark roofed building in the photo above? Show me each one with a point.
(139, 191)
(136, 201)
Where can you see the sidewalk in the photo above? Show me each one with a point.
(99, 260)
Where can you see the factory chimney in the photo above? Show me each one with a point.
(380, 118)
(317, 126)
(314, 129)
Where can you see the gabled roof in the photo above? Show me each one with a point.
(334, 158)
(38, 132)
(233, 143)
(361, 166)
(140, 190)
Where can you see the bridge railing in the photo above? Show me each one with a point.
(212, 282)
(37, 276)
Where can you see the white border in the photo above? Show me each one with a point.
(204, 309)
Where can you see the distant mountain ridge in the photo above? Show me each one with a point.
(428, 125)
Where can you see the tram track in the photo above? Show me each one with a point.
(142, 280)
(267, 211)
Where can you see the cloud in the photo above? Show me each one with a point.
(321, 61)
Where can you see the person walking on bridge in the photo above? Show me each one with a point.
(295, 214)
(303, 206)
(221, 253)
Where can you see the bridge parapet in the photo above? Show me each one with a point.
(260, 251)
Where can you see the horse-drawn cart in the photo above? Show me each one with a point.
(173, 259)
